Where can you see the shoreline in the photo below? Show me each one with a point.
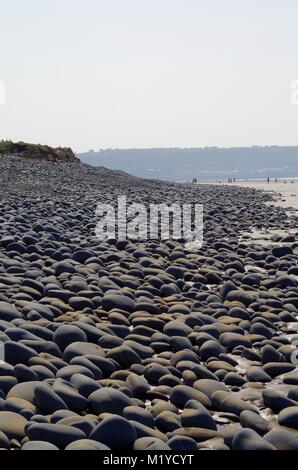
(285, 190)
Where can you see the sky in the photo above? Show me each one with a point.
(93, 74)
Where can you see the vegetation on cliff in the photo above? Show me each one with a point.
(37, 151)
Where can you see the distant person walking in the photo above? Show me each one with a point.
(268, 180)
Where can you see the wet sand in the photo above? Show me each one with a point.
(286, 191)
(285, 195)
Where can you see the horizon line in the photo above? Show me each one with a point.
(210, 147)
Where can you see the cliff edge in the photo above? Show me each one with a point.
(38, 152)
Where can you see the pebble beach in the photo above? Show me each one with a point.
(145, 345)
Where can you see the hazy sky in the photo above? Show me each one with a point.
(149, 73)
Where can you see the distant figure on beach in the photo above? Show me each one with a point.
(268, 180)
(194, 180)
(276, 180)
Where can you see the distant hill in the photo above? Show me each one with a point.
(37, 151)
(210, 163)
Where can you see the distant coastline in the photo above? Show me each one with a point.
(208, 164)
